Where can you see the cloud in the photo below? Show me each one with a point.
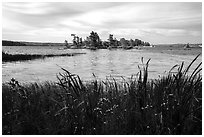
(131, 20)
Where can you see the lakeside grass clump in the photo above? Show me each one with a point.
(6, 57)
(171, 105)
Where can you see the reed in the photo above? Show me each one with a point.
(171, 105)
(6, 57)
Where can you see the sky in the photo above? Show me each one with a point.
(157, 23)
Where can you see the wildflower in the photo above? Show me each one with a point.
(115, 106)
(95, 109)
(146, 106)
(161, 117)
(171, 95)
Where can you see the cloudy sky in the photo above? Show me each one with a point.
(56, 21)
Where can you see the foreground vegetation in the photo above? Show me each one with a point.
(21, 57)
(169, 105)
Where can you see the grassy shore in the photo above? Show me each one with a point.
(21, 57)
(171, 105)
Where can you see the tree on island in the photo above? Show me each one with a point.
(111, 41)
(146, 44)
(94, 39)
(123, 42)
(74, 39)
(116, 42)
(132, 43)
(66, 43)
(77, 41)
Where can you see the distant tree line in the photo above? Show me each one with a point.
(12, 43)
(23, 43)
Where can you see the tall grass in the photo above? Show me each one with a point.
(169, 105)
(22, 57)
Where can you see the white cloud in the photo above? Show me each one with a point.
(28, 8)
(131, 20)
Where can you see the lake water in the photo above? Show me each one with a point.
(102, 62)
